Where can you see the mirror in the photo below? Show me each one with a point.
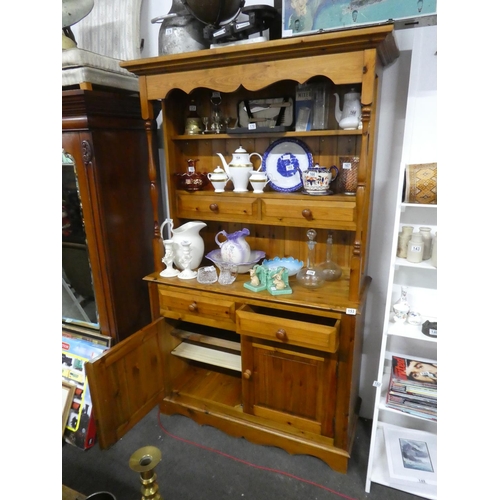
(78, 298)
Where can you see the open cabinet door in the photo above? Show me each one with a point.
(127, 381)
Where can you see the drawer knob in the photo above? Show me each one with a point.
(193, 307)
(214, 207)
(247, 374)
(306, 213)
(281, 335)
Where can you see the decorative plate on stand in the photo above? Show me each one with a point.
(284, 161)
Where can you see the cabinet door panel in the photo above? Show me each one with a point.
(127, 381)
(289, 386)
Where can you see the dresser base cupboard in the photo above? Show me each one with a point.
(279, 370)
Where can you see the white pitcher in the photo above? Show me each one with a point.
(187, 232)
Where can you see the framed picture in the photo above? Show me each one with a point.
(301, 17)
(411, 455)
(68, 391)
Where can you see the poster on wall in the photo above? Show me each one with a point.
(302, 17)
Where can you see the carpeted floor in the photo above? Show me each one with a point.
(203, 463)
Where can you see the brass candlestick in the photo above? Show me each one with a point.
(144, 460)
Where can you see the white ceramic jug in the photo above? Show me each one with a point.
(258, 181)
(187, 232)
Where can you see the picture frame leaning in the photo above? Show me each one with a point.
(411, 456)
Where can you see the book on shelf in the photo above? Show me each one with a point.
(411, 456)
(311, 106)
(77, 332)
(413, 387)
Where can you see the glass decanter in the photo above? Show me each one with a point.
(310, 276)
(331, 271)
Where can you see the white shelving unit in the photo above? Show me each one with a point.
(421, 279)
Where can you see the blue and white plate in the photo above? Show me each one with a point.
(284, 161)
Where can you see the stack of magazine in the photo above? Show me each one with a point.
(413, 387)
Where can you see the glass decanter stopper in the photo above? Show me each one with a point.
(310, 276)
(401, 307)
(331, 271)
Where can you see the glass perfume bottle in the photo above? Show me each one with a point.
(311, 276)
(330, 270)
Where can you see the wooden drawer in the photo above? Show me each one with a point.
(214, 207)
(310, 334)
(319, 213)
(196, 308)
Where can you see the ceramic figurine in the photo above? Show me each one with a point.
(254, 279)
(277, 282)
(258, 279)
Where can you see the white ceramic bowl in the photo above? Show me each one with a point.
(244, 267)
(293, 265)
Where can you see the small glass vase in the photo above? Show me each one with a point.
(330, 270)
(311, 275)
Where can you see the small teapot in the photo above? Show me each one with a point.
(350, 117)
(238, 170)
(219, 179)
(258, 181)
(317, 180)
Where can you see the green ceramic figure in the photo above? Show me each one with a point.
(277, 281)
(258, 279)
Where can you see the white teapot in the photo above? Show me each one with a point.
(349, 118)
(239, 169)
